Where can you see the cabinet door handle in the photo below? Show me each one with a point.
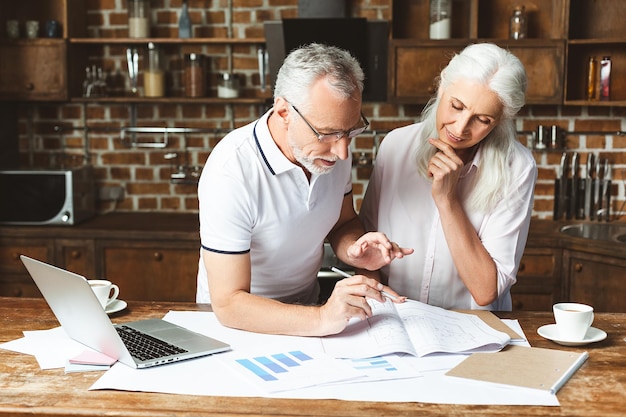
(522, 267)
(158, 256)
(30, 86)
(75, 254)
(578, 267)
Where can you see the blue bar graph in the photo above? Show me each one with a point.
(269, 367)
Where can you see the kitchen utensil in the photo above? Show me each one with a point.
(561, 188)
(132, 58)
(573, 188)
(606, 190)
(589, 184)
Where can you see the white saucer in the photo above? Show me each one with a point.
(117, 305)
(549, 331)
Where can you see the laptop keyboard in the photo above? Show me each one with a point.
(146, 347)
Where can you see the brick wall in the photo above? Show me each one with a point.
(54, 134)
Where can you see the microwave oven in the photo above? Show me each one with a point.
(47, 196)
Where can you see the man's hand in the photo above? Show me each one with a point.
(374, 250)
(349, 300)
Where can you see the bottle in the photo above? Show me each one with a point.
(605, 78)
(440, 15)
(153, 77)
(518, 24)
(184, 22)
(138, 18)
(592, 77)
(194, 77)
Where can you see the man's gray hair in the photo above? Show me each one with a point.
(305, 65)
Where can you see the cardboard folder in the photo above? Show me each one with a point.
(528, 367)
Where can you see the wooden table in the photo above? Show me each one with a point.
(597, 389)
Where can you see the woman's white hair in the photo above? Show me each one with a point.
(504, 74)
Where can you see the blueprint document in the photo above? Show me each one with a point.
(415, 328)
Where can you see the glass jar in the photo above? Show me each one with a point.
(440, 16)
(138, 18)
(228, 86)
(518, 23)
(154, 76)
(194, 76)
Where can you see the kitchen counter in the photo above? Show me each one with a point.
(547, 233)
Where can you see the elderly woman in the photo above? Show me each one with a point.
(458, 187)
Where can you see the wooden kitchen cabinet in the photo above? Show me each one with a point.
(411, 83)
(415, 60)
(38, 68)
(148, 270)
(597, 280)
(596, 29)
(151, 256)
(538, 284)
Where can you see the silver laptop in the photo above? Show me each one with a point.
(79, 312)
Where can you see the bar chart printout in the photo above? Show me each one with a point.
(294, 369)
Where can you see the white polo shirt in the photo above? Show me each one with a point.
(253, 199)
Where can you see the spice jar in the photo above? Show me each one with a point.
(228, 86)
(518, 23)
(154, 76)
(440, 16)
(194, 76)
(138, 18)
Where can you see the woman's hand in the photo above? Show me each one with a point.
(445, 167)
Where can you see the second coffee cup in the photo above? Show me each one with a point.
(105, 290)
(572, 320)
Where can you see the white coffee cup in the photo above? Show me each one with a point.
(572, 320)
(103, 288)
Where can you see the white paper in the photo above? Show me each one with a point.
(52, 348)
(211, 376)
(415, 328)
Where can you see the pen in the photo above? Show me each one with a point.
(346, 275)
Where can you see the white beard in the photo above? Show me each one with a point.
(308, 163)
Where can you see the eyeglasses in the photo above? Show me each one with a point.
(335, 136)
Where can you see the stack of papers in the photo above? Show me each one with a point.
(390, 378)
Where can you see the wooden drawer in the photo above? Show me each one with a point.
(18, 285)
(538, 284)
(596, 280)
(10, 255)
(151, 272)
